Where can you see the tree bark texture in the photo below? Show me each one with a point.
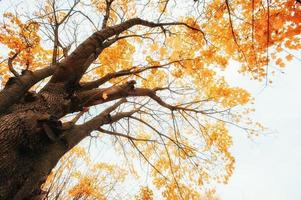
(27, 150)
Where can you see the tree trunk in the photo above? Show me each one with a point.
(28, 145)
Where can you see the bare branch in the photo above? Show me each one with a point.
(69, 12)
(107, 14)
(123, 135)
(164, 9)
(233, 32)
(10, 64)
(126, 72)
(230, 21)
(96, 96)
(55, 28)
(147, 160)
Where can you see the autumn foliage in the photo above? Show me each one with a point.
(176, 143)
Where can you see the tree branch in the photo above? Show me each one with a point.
(14, 91)
(96, 96)
(107, 15)
(71, 68)
(79, 132)
(126, 72)
(123, 135)
(10, 64)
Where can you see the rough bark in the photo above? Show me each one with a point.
(19, 86)
(32, 139)
(27, 151)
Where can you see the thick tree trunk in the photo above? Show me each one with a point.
(28, 151)
(32, 139)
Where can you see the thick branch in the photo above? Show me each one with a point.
(12, 92)
(10, 64)
(126, 72)
(96, 96)
(79, 132)
(72, 68)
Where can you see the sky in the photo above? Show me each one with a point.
(267, 167)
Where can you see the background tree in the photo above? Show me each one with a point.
(144, 76)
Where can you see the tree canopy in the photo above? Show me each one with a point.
(145, 79)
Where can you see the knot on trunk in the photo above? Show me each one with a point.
(129, 85)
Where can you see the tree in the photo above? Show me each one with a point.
(153, 69)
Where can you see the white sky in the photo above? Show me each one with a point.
(269, 166)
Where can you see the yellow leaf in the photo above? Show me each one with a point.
(104, 95)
